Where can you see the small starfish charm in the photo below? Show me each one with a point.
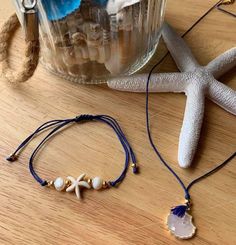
(196, 81)
(76, 184)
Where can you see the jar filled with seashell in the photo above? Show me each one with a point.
(89, 41)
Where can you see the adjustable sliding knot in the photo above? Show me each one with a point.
(84, 117)
(187, 196)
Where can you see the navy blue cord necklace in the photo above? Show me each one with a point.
(185, 188)
(71, 184)
(179, 221)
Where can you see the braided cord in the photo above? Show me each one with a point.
(31, 58)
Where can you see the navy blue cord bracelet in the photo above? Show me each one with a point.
(70, 183)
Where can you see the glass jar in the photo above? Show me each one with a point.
(89, 41)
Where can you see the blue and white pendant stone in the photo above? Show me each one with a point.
(181, 227)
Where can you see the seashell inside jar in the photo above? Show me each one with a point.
(89, 41)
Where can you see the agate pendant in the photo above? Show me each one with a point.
(181, 227)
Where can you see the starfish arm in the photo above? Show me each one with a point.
(81, 177)
(70, 188)
(222, 95)
(84, 184)
(179, 50)
(160, 82)
(72, 179)
(222, 63)
(77, 192)
(192, 124)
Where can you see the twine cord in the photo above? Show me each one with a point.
(31, 56)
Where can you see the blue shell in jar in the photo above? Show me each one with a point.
(58, 9)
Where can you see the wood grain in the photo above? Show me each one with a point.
(135, 212)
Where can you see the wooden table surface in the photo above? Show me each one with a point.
(134, 213)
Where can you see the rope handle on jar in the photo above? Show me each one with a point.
(31, 58)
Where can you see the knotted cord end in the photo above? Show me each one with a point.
(12, 158)
(44, 183)
(112, 183)
(135, 168)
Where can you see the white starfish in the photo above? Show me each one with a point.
(114, 6)
(76, 184)
(195, 81)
